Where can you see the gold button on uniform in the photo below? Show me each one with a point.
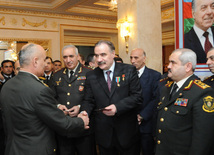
(159, 130)
(68, 103)
(54, 150)
(68, 94)
(69, 85)
(165, 108)
(162, 119)
(177, 112)
(158, 141)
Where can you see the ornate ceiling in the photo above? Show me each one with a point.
(88, 8)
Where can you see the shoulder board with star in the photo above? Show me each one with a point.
(201, 84)
(169, 83)
(164, 79)
(88, 67)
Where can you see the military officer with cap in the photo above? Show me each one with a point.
(186, 110)
(68, 85)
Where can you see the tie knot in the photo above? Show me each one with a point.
(71, 72)
(206, 34)
(108, 72)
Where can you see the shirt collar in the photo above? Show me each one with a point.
(111, 68)
(199, 32)
(181, 82)
(141, 71)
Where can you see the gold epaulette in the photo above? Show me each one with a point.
(88, 67)
(45, 84)
(209, 77)
(42, 78)
(169, 84)
(189, 85)
(164, 79)
(201, 84)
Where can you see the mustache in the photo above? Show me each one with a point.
(102, 62)
(169, 70)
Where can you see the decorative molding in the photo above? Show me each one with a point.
(2, 20)
(167, 15)
(34, 24)
(54, 15)
(13, 21)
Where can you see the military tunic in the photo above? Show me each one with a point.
(69, 92)
(185, 122)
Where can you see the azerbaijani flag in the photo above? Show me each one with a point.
(187, 15)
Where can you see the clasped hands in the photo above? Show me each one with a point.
(74, 111)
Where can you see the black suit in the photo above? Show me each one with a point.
(149, 82)
(192, 42)
(185, 122)
(125, 95)
(30, 117)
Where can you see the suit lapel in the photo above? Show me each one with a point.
(65, 75)
(75, 75)
(144, 78)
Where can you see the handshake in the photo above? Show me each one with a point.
(85, 119)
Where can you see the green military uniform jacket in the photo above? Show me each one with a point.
(185, 123)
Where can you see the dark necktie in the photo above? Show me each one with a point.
(174, 90)
(109, 80)
(71, 74)
(47, 78)
(207, 44)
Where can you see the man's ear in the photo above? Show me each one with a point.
(188, 66)
(35, 61)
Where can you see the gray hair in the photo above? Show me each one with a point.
(70, 46)
(108, 43)
(186, 56)
(26, 54)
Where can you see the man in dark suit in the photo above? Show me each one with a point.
(113, 93)
(185, 113)
(7, 71)
(149, 80)
(201, 37)
(30, 113)
(69, 91)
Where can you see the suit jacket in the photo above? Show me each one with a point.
(149, 82)
(192, 42)
(185, 122)
(30, 117)
(125, 95)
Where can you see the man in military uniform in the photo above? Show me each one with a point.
(68, 85)
(48, 71)
(186, 111)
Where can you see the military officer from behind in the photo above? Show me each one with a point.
(68, 85)
(186, 111)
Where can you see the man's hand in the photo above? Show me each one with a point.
(139, 118)
(74, 111)
(85, 119)
(63, 108)
(110, 110)
(1, 76)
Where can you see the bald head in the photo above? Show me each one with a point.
(32, 58)
(138, 58)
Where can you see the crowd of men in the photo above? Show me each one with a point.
(106, 107)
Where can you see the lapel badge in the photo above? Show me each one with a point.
(180, 94)
(123, 77)
(57, 82)
(208, 105)
(181, 102)
(81, 88)
(118, 81)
